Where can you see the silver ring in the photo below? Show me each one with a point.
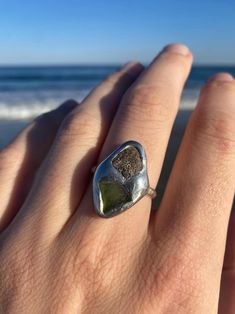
(121, 180)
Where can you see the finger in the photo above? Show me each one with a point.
(146, 115)
(20, 160)
(195, 210)
(68, 167)
(227, 287)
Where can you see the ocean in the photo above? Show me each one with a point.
(27, 91)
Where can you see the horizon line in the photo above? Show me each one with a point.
(84, 64)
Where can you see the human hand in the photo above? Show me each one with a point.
(58, 256)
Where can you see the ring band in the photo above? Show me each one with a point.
(151, 192)
(121, 180)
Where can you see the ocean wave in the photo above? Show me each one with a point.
(30, 111)
(27, 105)
(23, 112)
(46, 78)
(54, 74)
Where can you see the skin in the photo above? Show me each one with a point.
(58, 256)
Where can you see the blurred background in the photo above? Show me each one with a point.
(52, 50)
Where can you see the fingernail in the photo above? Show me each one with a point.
(177, 48)
(221, 77)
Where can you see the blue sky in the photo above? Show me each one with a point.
(106, 31)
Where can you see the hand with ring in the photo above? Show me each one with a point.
(73, 241)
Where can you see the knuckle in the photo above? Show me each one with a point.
(149, 102)
(215, 127)
(213, 119)
(81, 123)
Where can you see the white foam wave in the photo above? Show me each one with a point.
(30, 109)
(22, 112)
(28, 106)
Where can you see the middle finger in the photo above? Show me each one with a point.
(146, 114)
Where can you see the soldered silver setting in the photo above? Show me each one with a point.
(118, 181)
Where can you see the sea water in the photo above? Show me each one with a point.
(27, 91)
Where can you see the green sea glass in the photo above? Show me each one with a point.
(113, 194)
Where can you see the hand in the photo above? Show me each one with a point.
(58, 256)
